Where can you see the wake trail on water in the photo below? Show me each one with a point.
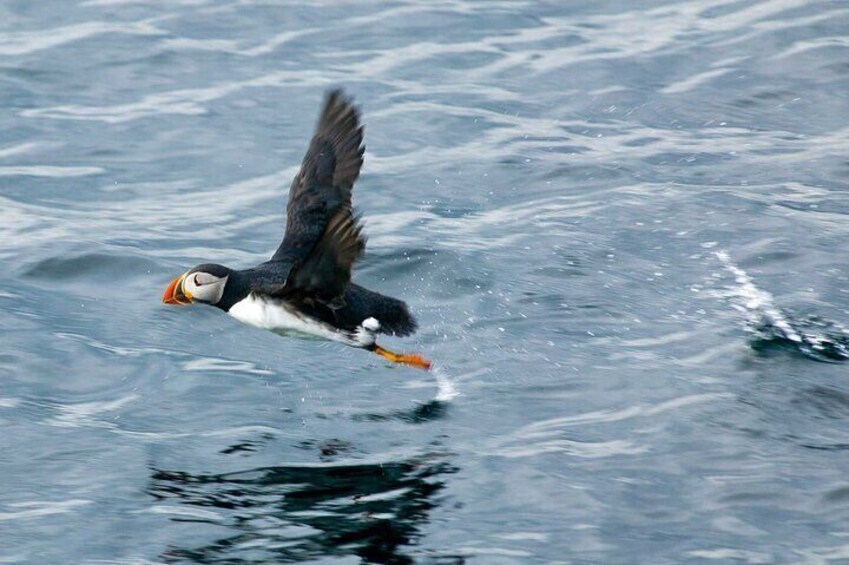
(812, 336)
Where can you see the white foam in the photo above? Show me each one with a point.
(445, 391)
(759, 304)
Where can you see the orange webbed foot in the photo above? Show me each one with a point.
(411, 359)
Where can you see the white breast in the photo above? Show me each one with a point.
(277, 315)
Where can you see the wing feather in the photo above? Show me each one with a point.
(326, 178)
(323, 237)
(326, 271)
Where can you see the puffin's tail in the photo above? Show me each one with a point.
(393, 314)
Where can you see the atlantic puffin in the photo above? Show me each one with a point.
(306, 288)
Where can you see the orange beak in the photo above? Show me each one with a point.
(175, 294)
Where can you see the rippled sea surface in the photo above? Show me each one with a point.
(594, 208)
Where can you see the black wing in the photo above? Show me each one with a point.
(326, 271)
(323, 237)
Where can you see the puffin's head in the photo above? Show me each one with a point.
(204, 283)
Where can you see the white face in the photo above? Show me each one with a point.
(204, 287)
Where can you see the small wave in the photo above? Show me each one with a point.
(28, 42)
(87, 265)
(211, 364)
(814, 337)
(19, 149)
(37, 508)
(186, 101)
(49, 171)
(88, 414)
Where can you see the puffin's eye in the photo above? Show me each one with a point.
(202, 278)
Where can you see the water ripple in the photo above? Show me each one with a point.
(49, 171)
(37, 509)
(190, 102)
(27, 42)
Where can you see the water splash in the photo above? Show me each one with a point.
(814, 337)
(446, 391)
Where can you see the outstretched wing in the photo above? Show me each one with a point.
(325, 273)
(323, 237)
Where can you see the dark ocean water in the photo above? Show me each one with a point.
(623, 227)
